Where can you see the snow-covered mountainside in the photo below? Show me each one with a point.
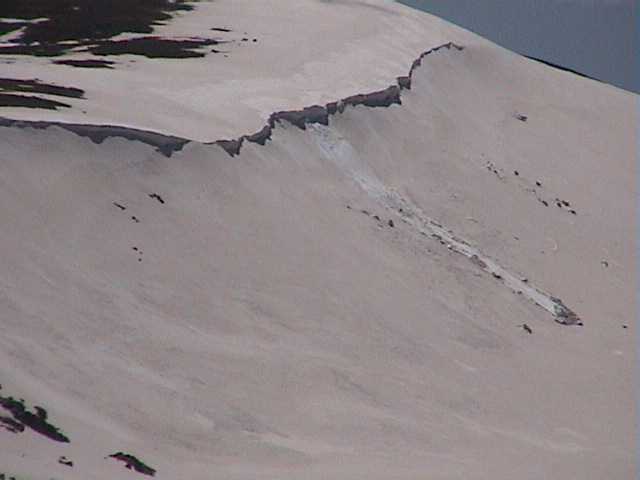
(367, 245)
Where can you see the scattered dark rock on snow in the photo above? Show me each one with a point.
(522, 118)
(391, 224)
(157, 197)
(377, 218)
(516, 173)
(36, 421)
(132, 463)
(527, 328)
(625, 326)
(573, 212)
(65, 461)
(496, 275)
(120, 206)
(135, 219)
(539, 183)
(545, 203)
(223, 30)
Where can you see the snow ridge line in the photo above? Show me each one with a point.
(169, 144)
(318, 114)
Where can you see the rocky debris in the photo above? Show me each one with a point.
(391, 224)
(564, 315)
(140, 253)
(65, 461)
(120, 206)
(132, 463)
(36, 421)
(495, 170)
(156, 197)
(522, 118)
(527, 328)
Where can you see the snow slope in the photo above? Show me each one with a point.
(323, 306)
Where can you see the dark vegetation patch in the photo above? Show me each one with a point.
(86, 63)
(86, 20)
(70, 24)
(36, 50)
(36, 86)
(36, 420)
(154, 47)
(27, 101)
(7, 27)
(11, 425)
(132, 463)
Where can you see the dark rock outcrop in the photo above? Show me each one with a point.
(132, 463)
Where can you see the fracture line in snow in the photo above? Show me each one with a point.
(346, 158)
